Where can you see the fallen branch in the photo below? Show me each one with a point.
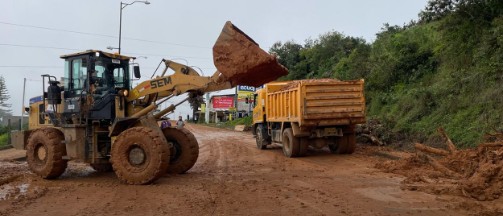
(432, 150)
(439, 167)
(450, 145)
(373, 139)
(497, 144)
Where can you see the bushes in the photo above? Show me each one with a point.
(445, 71)
(240, 121)
(4, 138)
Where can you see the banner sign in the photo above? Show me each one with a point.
(223, 102)
(245, 92)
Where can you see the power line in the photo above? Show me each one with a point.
(33, 46)
(73, 49)
(26, 66)
(159, 55)
(101, 35)
(48, 66)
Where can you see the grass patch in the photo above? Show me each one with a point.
(248, 121)
(4, 138)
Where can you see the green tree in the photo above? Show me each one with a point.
(468, 9)
(324, 54)
(288, 54)
(355, 66)
(195, 101)
(4, 97)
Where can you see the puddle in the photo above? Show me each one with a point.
(77, 169)
(9, 191)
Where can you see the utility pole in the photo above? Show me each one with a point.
(207, 111)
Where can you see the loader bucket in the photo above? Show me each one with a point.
(241, 61)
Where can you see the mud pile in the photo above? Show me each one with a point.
(295, 83)
(240, 59)
(475, 173)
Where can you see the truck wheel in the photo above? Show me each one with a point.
(139, 156)
(185, 150)
(344, 145)
(102, 167)
(291, 144)
(304, 143)
(260, 137)
(350, 143)
(45, 151)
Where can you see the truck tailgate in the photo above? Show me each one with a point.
(332, 102)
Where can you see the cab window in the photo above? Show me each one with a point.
(79, 75)
(119, 78)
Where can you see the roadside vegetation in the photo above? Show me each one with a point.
(247, 121)
(5, 111)
(444, 70)
(4, 136)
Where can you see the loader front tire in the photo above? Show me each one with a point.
(45, 151)
(291, 144)
(139, 156)
(184, 152)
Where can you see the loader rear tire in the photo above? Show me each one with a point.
(291, 144)
(261, 137)
(139, 156)
(185, 150)
(45, 151)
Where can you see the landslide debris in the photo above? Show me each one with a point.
(474, 173)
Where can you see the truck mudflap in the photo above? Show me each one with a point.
(241, 61)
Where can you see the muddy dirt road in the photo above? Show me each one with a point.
(231, 177)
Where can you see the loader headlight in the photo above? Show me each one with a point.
(124, 92)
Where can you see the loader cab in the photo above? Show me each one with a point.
(92, 80)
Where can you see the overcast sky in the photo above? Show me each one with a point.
(34, 33)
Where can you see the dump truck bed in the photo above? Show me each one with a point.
(323, 102)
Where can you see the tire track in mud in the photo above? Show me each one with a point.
(230, 169)
(233, 177)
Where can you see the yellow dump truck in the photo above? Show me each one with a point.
(303, 113)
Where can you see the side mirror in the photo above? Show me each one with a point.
(136, 71)
(247, 100)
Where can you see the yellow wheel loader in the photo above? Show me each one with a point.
(95, 115)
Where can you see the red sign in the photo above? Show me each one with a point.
(223, 102)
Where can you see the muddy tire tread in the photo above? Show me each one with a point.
(55, 165)
(159, 151)
(190, 150)
(294, 144)
(263, 142)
